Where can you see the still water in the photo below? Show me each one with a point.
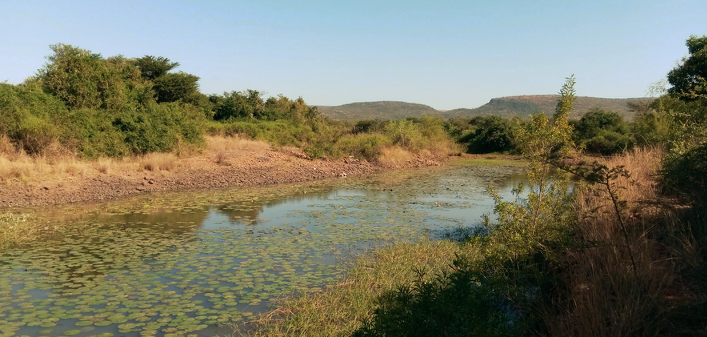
(195, 263)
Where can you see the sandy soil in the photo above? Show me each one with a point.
(244, 167)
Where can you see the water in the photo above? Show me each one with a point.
(181, 264)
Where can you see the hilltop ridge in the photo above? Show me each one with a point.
(521, 106)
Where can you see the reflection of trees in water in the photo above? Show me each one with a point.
(248, 211)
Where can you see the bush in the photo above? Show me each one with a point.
(160, 127)
(492, 134)
(30, 118)
(362, 146)
(405, 134)
(603, 132)
(686, 175)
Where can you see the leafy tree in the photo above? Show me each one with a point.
(603, 132)
(30, 118)
(689, 78)
(685, 166)
(237, 104)
(83, 79)
(492, 134)
(153, 67)
(173, 87)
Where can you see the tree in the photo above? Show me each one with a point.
(172, 87)
(152, 67)
(689, 78)
(603, 132)
(237, 104)
(83, 79)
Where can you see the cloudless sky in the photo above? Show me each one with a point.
(447, 54)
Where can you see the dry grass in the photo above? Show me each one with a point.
(221, 148)
(601, 294)
(26, 169)
(217, 144)
(158, 162)
(395, 155)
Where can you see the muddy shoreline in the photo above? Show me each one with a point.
(247, 169)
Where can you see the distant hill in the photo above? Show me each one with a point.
(530, 104)
(521, 106)
(377, 110)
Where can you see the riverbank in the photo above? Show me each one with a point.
(226, 163)
(655, 287)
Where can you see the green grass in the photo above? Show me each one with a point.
(341, 308)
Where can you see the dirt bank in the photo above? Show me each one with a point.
(222, 169)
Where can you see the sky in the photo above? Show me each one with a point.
(446, 54)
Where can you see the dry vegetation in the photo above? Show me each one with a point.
(56, 165)
(602, 295)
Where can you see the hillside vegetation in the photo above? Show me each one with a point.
(520, 106)
(377, 110)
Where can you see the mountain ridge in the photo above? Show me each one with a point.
(507, 106)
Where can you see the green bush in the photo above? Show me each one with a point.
(30, 118)
(160, 127)
(491, 134)
(603, 132)
(686, 174)
(94, 135)
(406, 134)
(362, 146)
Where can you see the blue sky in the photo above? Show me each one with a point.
(447, 54)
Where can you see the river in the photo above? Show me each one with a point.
(193, 263)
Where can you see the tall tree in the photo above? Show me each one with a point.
(152, 67)
(173, 87)
(689, 78)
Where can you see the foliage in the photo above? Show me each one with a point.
(159, 128)
(685, 175)
(85, 80)
(685, 108)
(467, 301)
(362, 146)
(405, 133)
(173, 87)
(491, 134)
(29, 117)
(603, 132)
(236, 104)
(689, 78)
(153, 67)
(369, 126)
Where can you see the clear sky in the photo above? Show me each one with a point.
(447, 54)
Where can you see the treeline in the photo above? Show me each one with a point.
(598, 132)
(83, 103)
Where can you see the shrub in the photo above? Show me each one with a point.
(686, 174)
(362, 146)
(603, 132)
(405, 133)
(160, 127)
(30, 118)
(492, 134)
